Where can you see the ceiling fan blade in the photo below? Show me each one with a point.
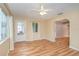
(48, 10)
(36, 10)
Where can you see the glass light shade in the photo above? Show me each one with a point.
(43, 13)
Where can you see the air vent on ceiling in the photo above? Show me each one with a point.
(60, 13)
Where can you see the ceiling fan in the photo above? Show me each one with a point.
(42, 11)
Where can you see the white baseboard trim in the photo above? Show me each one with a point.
(74, 48)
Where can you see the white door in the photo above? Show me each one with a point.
(21, 30)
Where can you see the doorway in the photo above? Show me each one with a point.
(62, 32)
(20, 30)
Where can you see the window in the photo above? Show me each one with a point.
(35, 27)
(20, 28)
(3, 25)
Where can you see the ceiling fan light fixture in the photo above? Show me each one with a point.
(43, 13)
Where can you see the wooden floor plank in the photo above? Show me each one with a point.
(72, 53)
(65, 53)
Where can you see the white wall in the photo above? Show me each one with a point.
(51, 30)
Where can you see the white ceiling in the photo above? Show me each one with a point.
(25, 9)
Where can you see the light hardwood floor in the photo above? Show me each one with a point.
(44, 48)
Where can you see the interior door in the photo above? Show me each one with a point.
(21, 30)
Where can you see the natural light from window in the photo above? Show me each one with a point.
(3, 25)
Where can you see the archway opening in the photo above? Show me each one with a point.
(63, 32)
